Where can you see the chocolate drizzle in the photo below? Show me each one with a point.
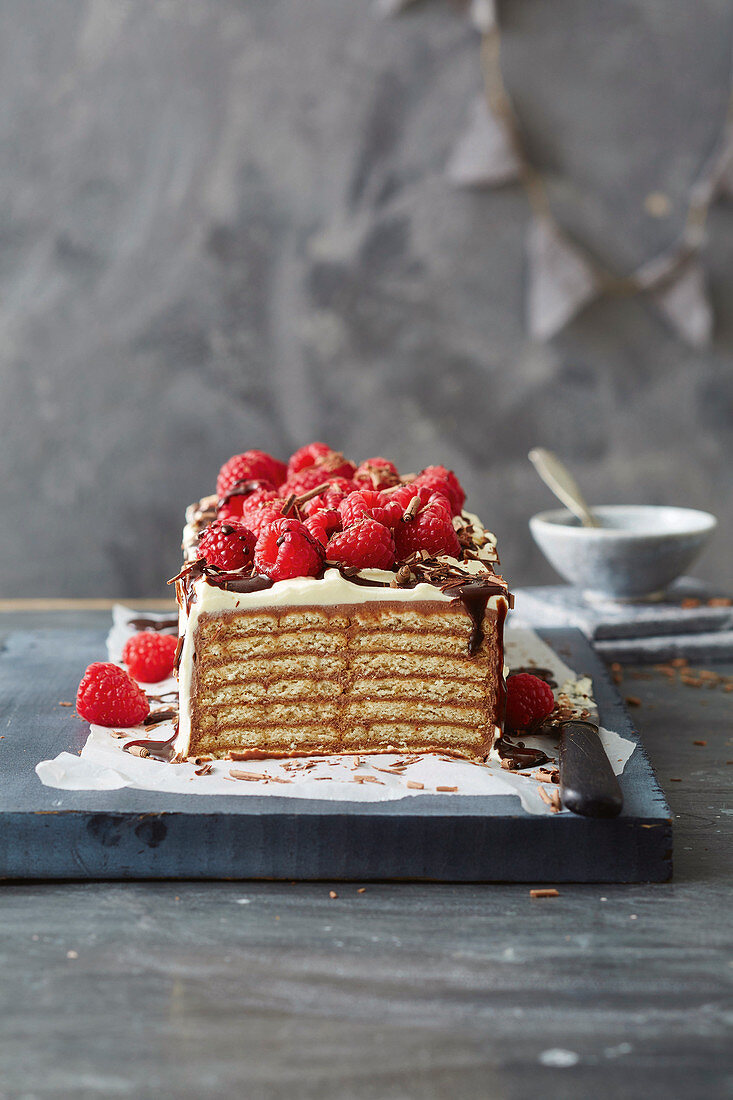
(179, 651)
(243, 489)
(157, 716)
(159, 750)
(541, 673)
(518, 755)
(351, 574)
(235, 582)
(165, 626)
(231, 582)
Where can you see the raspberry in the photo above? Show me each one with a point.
(149, 656)
(366, 544)
(227, 544)
(318, 525)
(377, 473)
(368, 504)
(329, 500)
(528, 701)
(306, 456)
(286, 548)
(260, 508)
(232, 503)
(108, 696)
(247, 466)
(430, 529)
(438, 479)
(302, 482)
(330, 463)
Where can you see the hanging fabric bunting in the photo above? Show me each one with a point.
(684, 302)
(483, 155)
(560, 280)
(388, 8)
(724, 181)
(482, 14)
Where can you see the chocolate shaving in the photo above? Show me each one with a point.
(412, 509)
(305, 497)
(250, 777)
(552, 800)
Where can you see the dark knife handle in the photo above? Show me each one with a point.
(587, 783)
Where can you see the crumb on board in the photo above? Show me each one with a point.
(549, 892)
(551, 799)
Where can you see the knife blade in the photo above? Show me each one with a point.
(587, 784)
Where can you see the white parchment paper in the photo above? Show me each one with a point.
(104, 765)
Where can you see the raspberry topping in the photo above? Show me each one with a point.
(310, 477)
(108, 696)
(149, 656)
(440, 480)
(318, 525)
(260, 508)
(377, 473)
(322, 457)
(368, 504)
(233, 502)
(366, 544)
(430, 528)
(338, 489)
(252, 465)
(286, 548)
(227, 544)
(307, 455)
(528, 701)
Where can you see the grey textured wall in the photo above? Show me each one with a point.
(225, 224)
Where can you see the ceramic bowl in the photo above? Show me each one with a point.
(636, 552)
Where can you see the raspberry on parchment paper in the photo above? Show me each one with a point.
(108, 696)
(149, 656)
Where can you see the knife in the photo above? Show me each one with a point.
(587, 784)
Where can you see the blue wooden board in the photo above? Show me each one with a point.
(133, 834)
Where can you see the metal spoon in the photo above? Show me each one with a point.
(557, 477)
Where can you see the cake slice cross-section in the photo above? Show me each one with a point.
(353, 660)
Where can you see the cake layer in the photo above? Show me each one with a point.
(259, 713)
(401, 688)
(320, 738)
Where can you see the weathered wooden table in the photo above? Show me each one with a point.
(280, 990)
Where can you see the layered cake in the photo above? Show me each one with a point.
(329, 608)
